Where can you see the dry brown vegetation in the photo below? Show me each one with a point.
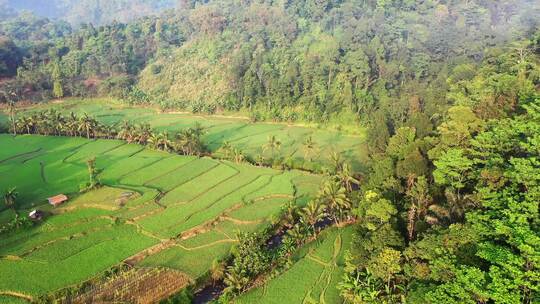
(137, 285)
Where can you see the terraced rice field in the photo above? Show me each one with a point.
(155, 209)
(243, 135)
(312, 278)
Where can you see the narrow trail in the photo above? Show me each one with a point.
(138, 257)
(240, 222)
(206, 245)
(17, 295)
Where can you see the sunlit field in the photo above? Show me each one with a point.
(189, 208)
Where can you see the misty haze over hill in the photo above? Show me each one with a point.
(89, 11)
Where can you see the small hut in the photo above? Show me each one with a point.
(36, 215)
(57, 200)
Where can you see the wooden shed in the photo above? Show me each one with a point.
(57, 200)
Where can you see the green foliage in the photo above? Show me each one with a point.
(471, 211)
(453, 169)
(295, 61)
(10, 57)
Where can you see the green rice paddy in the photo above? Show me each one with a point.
(191, 207)
(239, 132)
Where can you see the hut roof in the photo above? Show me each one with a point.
(57, 200)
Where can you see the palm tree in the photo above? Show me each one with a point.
(346, 177)
(337, 163)
(142, 133)
(273, 144)
(290, 215)
(86, 124)
(309, 148)
(259, 160)
(186, 142)
(312, 213)
(154, 140)
(235, 280)
(20, 124)
(10, 196)
(166, 144)
(458, 204)
(198, 130)
(31, 124)
(334, 196)
(227, 149)
(437, 215)
(12, 111)
(217, 271)
(297, 233)
(72, 124)
(238, 156)
(126, 132)
(159, 141)
(57, 121)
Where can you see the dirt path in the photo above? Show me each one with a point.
(136, 258)
(17, 295)
(206, 245)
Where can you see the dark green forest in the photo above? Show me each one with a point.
(448, 211)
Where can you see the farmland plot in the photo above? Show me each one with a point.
(154, 209)
(239, 132)
(312, 278)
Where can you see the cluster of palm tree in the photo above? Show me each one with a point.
(232, 153)
(10, 200)
(334, 203)
(273, 144)
(52, 122)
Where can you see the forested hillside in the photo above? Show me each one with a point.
(294, 61)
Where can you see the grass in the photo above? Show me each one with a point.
(312, 278)
(260, 210)
(172, 179)
(147, 197)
